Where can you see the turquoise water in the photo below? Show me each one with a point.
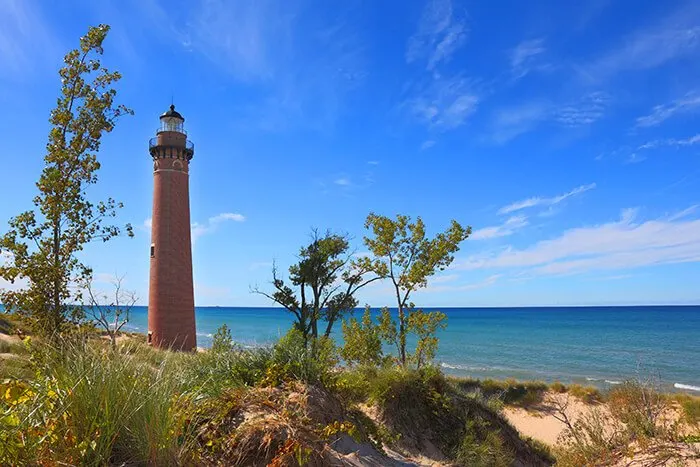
(591, 345)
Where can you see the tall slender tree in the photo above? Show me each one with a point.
(42, 245)
(408, 258)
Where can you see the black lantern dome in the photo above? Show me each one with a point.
(172, 120)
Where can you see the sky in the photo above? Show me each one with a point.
(566, 134)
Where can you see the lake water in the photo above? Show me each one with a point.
(590, 345)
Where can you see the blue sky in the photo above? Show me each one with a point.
(567, 137)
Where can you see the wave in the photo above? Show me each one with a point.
(592, 379)
(686, 386)
(612, 382)
(464, 367)
(203, 334)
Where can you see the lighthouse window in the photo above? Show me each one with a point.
(153, 250)
(150, 337)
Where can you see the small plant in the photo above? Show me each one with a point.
(362, 341)
(222, 341)
(587, 394)
(557, 387)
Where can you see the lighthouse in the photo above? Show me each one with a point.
(171, 321)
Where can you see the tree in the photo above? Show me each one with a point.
(326, 281)
(404, 255)
(222, 341)
(111, 314)
(362, 341)
(43, 244)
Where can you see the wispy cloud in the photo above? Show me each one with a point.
(623, 244)
(673, 37)
(488, 282)
(441, 32)
(509, 227)
(540, 201)
(444, 103)
(690, 103)
(585, 111)
(26, 40)
(198, 230)
(427, 144)
(304, 61)
(511, 122)
(523, 58)
(670, 142)
(342, 181)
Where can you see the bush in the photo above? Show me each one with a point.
(587, 394)
(639, 407)
(690, 409)
(362, 341)
(482, 446)
(89, 406)
(293, 358)
(557, 387)
(510, 391)
(222, 341)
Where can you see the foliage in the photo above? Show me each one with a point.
(362, 341)
(321, 263)
(111, 314)
(482, 446)
(408, 258)
(222, 341)
(587, 394)
(557, 387)
(294, 359)
(639, 407)
(42, 245)
(510, 391)
(638, 419)
(88, 406)
(690, 407)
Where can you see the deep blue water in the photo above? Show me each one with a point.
(593, 345)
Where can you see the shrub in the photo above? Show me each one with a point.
(587, 394)
(94, 407)
(690, 409)
(482, 446)
(510, 391)
(362, 341)
(293, 358)
(639, 407)
(222, 341)
(557, 387)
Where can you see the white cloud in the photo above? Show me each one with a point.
(539, 201)
(523, 57)
(198, 230)
(623, 244)
(444, 103)
(488, 282)
(342, 181)
(25, 38)
(373, 162)
(513, 121)
(689, 103)
(672, 142)
(6, 258)
(589, 109)
(440, 34)
(427, 144)
(227, 216)
(507, 228)
(673, 37)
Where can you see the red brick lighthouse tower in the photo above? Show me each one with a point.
(171, 293)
